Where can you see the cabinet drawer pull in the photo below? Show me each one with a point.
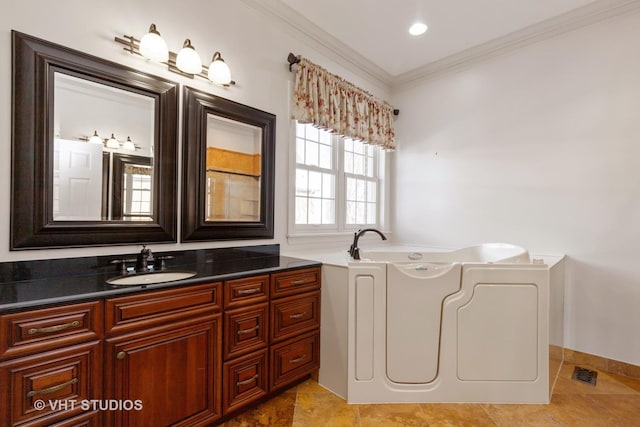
(297, 315)
(121, 355)
(299, 282)
(246, 331)
(55, 328)
(299, 359)
(249, 291)
(250, 380)
(52, 389)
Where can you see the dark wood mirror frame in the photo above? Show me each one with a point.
(32, 226)
(197, 106)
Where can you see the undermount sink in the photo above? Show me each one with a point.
(150, 278)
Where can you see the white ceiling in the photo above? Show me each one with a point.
(378, 29)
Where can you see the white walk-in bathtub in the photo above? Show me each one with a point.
(469, 325)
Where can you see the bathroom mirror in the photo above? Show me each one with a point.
(228, 165)
(94, 150)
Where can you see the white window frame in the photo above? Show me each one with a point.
(307, 233)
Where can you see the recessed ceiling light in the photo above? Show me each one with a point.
(417, 29)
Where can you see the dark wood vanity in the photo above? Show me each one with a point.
(76, 350)
(180, 355)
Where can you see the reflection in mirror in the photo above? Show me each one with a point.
(65, 186)
(132, 198)
(233, 170)
(228, 166)
(83, 108)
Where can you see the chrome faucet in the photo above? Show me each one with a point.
(354, 250)
(144, 258)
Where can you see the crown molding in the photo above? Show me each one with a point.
(564, 23)
(324, 42)
(332, 47)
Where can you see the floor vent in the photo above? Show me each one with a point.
(585, 375)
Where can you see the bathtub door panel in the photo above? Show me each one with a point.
(414, 311)
(498, 333)
(364, 327)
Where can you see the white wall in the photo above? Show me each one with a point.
(253, 45)
(541, 148)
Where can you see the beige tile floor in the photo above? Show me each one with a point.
(613, 402)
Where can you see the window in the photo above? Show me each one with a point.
(137, 192)
(337, 182)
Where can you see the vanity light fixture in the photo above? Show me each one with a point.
(188, 59)
(95, 139)
(112, 143)
(129, 145)
(153, 46)
(186, 63)
(219, 71)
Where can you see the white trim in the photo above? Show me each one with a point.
(561, 24)
(351, 59)
(322, 41)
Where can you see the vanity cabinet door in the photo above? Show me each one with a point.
(172, 372)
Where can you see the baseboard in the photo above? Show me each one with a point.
(601, 363)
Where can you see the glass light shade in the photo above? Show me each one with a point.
(113, 142)
(153, 46)
(219, 71)
(129, 145)
(188, 59)
(95, 139)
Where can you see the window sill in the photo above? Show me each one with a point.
(330, 239)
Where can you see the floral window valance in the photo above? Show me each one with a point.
(330, 102)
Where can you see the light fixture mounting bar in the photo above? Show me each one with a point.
(132, 45)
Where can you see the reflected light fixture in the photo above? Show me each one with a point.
(219, 71)
(95, 139)
(188, 59)
(129, 145)
(417, 29)
(153, 47)
(113, 142)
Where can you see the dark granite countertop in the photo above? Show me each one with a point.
(31, 284)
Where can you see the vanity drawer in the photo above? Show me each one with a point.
(242, 292)
(245, 330)
(38, 330)
(294, 315)
(294, 359)
(245, 379)
(295, 282)
(69, 374)
(149, 309)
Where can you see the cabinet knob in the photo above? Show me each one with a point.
(121, 355)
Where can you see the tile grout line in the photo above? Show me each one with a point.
(295, 407)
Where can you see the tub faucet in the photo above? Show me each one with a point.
(144, 258)
(354, 250)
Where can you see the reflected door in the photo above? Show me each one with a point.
(77, 183)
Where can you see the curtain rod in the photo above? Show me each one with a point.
(294, 59)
